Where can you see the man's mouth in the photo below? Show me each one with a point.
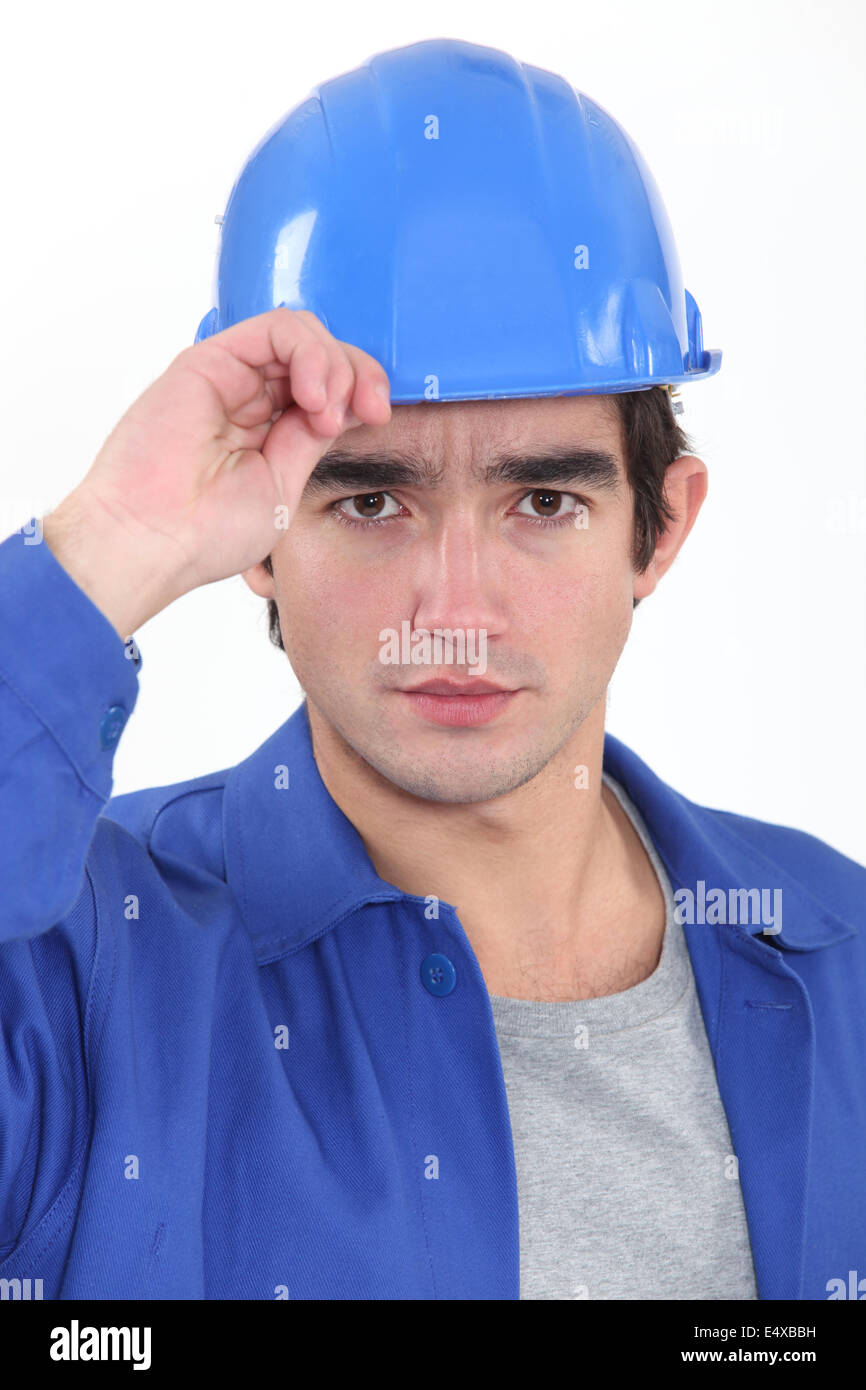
(458, 703)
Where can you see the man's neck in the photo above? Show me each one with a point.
(551, 883)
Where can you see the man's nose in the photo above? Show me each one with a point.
(458, 582)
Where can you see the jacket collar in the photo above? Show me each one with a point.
(297, 865)
(731, 851)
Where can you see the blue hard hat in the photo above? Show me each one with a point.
(475, 224)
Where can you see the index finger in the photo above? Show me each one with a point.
(284, 343)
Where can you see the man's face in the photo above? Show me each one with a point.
(537, 558)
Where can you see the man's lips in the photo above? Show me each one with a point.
(458, 703)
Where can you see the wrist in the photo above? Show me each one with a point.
(128, 584)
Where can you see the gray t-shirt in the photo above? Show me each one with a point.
(627, 1184)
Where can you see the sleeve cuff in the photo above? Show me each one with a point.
(61, 656)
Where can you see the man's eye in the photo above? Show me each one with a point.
(547, 506)
(366, 507)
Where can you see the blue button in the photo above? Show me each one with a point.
(111, 726)
(438, 974)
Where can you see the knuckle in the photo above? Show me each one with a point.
(315, 356)
(343, 380)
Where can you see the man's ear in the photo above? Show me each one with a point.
(260, 580)
(685, 489)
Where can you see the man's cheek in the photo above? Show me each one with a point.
(350, 613)
(565, 601)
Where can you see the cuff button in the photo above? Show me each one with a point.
(111, 726)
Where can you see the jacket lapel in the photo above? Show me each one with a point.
(760, 1029)
(756, 1009)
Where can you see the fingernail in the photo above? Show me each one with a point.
(383, 391)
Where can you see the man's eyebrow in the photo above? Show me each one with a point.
(591, 468)
(342, 471)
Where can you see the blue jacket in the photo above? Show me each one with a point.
(225, 1068)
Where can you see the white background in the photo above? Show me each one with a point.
(124, 127)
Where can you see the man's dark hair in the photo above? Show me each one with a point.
(651, 439)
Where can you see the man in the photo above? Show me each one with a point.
(441, 993)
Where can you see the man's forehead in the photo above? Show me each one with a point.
(497, 425)
(483, 442)
(557, 442)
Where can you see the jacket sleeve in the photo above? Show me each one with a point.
(67, 687)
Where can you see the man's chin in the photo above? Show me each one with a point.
(461, 782)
